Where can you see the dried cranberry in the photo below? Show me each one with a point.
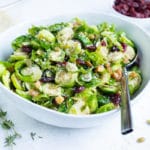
(62, 64)
(103, 43)
(124, 46)
(78, 89)
(80, 61)
(91, 47)
(26, 48)
(114, 49)
(115, 98)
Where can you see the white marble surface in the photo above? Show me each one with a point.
(107, 136)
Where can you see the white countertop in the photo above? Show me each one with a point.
(107, 136)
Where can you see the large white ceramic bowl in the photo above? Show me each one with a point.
(48, 116)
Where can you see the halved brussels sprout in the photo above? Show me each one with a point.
(65, 34)
(134, 81)
(16, 82)
(106, 107)
(2, 68)
(57, 56)
(65, 79)
(6, 78)
(51, 89)
(71, 67)
(17, 55)
(89, 97)
(129, 54)
(83, 39)
(24, 94)
(72, 47)
(87, 77)
(46, 35)
(27, 73)
(109, 89)
(79, 108)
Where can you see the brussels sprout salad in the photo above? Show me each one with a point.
(71, 67)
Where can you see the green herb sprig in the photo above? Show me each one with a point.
(9, 126)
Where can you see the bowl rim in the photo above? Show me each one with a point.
(31, 22)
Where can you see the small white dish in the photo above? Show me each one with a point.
(137, 34)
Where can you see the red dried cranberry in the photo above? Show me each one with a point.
(91, 47)
(103, 43)
(124, 46)
(80, 61)
(115, 98)
(62, 64)
(26, 48)
(78, 89)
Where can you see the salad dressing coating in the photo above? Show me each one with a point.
(71, 67)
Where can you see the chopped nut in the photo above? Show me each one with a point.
(37, 84)
(59, 99)
(117, 74)
(33, 92)
(140, 140)
(108, 67)
(100, 68)
(88, 63)
(133, 74)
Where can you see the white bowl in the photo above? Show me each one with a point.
(52, 117)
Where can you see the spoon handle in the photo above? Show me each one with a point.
(126, 120)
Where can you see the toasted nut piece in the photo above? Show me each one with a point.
(88, 63)
(33, 92)
(59, 99)
(133, 74)
(100, 68)
(108, 67)
(140, 140)
(117, 74)
(37, 84)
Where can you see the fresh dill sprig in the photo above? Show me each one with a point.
(34, 135)
(9, 126)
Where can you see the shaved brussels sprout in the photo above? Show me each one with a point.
(65, 34)
(6, 78)
(79, 108)
(24, 94)
(2, 68)
(46, 35)
(83, 39)
(18, 56)
(16, 82)
(134, 80)
(106, 107)
(27, 74)
(65, 79)
(57, 56)
(51, 89)
(71, 67)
